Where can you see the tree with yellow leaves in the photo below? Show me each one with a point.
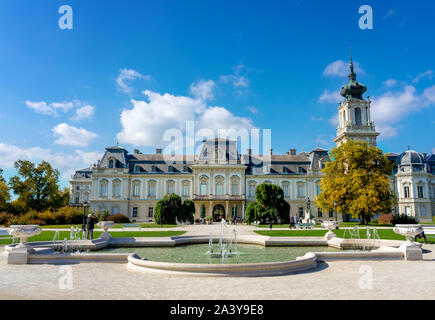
(357, 181)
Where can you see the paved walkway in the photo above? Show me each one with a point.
(332, 280)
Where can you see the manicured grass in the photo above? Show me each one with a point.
(115, 226)
(49, 235)
(292, 233)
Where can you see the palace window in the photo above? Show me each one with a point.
(170, 186)
(285, 189)
(301, 192)
(116, 190)
(203, 185)
(235, 186)
(319, 213)
(134, 212)
(136, 188)
(219, 185)
(252, 190)
(331, 213)
(151, 189)
(103, 188)
(420, 191)
(318, 190)
(111, 164)
(301, 212)
(422, 211)
(358, 120)
(406, 192)
(185, 190)
(150, 212)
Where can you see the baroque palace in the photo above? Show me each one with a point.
(221, 179)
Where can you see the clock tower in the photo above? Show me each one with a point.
(354, 113)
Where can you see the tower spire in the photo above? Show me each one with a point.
(352, 75)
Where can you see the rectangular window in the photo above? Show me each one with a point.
(116, 190)
(77, 200)
(234, 189)
(285, 190)
(134, 213)
(318, 189)
(219, 190)
(186, 190)
(136, 190)
(319, 213)
(151, 191)
(420, 191)
(203, 189)
(150, 212)
(251, 191)
(331, 213)
(406, 192)
(300, 190)
(408, 211)
(301, 212)
(170, 188)
(115, 210)
(422, 211)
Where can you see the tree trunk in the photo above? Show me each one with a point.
(363, 219)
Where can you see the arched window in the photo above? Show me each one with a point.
(116, 188)
(151, 188)
(203, 181)
(358, 120)
(103, 188)
(235, 186)
(219, 185)
(136, 188)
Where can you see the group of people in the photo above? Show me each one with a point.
(294, 221)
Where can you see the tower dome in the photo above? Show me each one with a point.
(353, 89)
(410, 158)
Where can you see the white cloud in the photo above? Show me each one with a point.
(237, 78)
(146, 123)
(427, 74)
(67, 163)
(203, 89)
(330, 97)
(51, 109)
(341, 68)
(69, 135)
(252, 110)
(127, 75)
(334, 120)
(390, 83)
(429, 95)
(392, 107)
(85, 112)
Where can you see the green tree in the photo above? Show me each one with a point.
(188, 211)
(37, 186)
(5, 196)
(269, 205)
(168, 209)
(357, 181)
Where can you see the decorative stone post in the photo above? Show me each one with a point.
(411, 250)
(330, 225)
(105, 225)
(19, 254)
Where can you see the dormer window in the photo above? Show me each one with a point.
(185, 169)
(136, 169)
(111, 164)
(153, 169)
(171, 169)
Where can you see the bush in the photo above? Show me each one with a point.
(385, 218)
(250, 212)
(403, 219)
(5, 218)
(188, 211)
(30, 217)
(118, 218)
(103, 215)
(168, 209)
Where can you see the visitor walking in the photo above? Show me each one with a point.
(421, 235)
(90, 221)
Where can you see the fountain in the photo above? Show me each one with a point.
(227, 244)
(105, 225)
(18, 254)
(330, 225)
(411, 250)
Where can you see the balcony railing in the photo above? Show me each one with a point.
(215, 197)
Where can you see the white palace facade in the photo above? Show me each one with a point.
(221, 178)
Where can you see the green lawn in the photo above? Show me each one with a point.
(48, 235)
(387, 234)
(116, 226)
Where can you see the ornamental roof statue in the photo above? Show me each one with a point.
(353, 89)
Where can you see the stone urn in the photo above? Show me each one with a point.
(411, 250)
(105, 225)
(24, 232)
(330, 225)
(19, 254)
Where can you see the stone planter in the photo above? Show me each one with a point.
(19, 254)
(105, 225)
(411, 250)
(330, 225)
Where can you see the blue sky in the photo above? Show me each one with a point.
(129, 70)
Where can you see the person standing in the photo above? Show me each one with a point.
(90, 222)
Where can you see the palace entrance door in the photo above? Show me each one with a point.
(218, 213)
